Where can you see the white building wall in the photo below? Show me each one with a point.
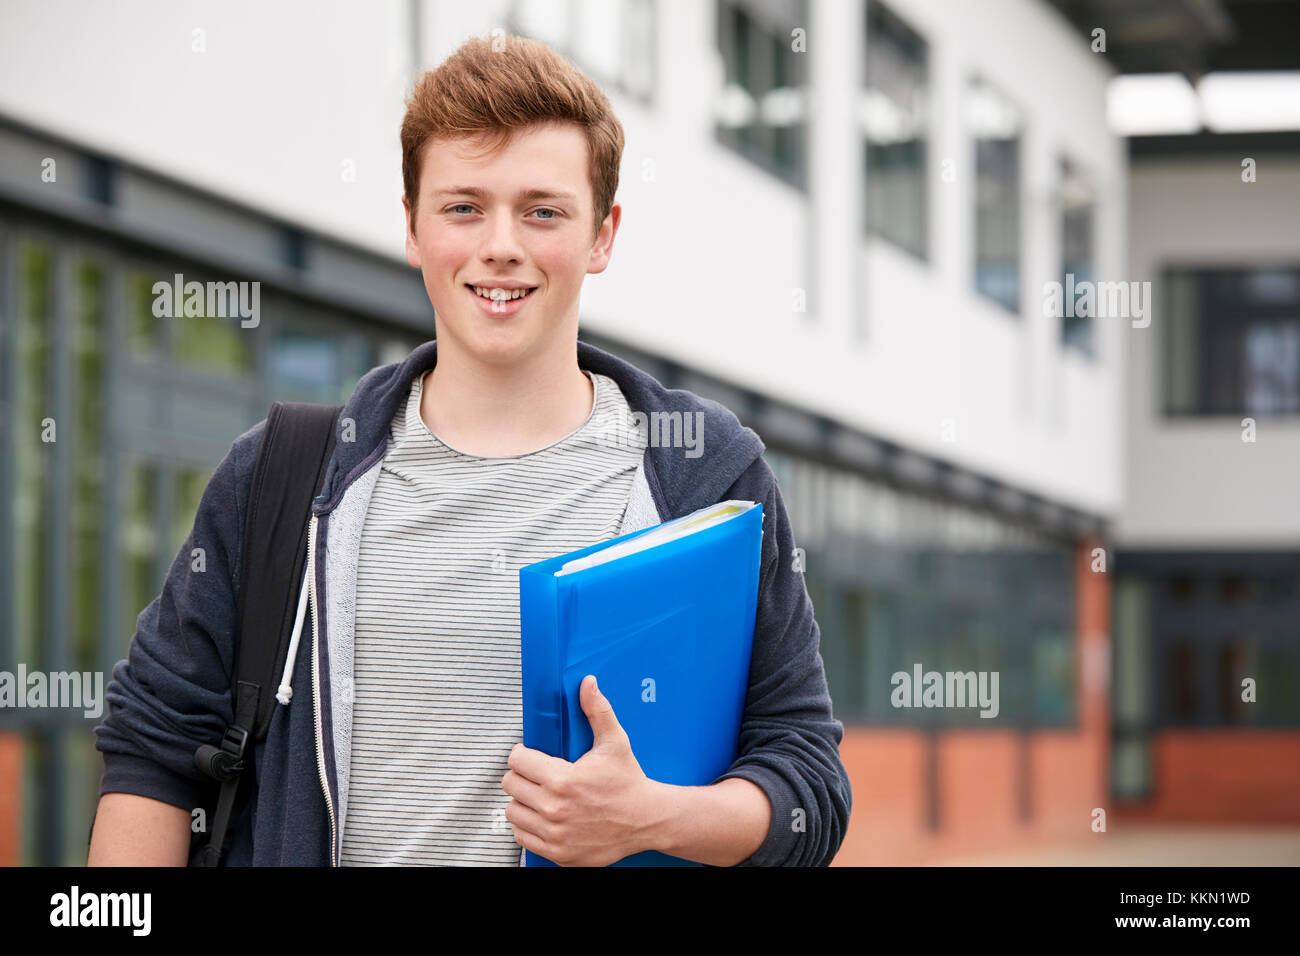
(711, 248)
(1193, 482)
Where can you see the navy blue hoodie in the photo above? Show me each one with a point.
(172, 693)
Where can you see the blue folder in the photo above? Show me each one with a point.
(668, 632)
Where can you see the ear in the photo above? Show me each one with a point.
(604, 246)
(412, 247)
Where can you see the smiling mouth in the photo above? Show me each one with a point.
(503, 299)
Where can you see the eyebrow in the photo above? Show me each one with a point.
(523, 194)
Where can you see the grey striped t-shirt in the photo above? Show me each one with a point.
(437, 670)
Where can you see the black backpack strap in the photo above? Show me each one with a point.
(296, 448)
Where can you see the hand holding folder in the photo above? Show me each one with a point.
(664, 619)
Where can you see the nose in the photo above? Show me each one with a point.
(501, 240)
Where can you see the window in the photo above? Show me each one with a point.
(1232, 345)
(761, 112)
(89, 464)
(304, 363)
(843, 608)
(995, 126)
(614, 41)
(1180, 670)
(33, 494)
(1078, 204)
(1213, 623)
(187, 491)
(143, 329)
(139, 545)
(1131, 695)
(1278, 686)
(1236, 661)
(213, 339)
(204, 329)
(899, 579)
(315, 359)
(893, 117)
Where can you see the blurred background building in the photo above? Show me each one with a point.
(839, 219)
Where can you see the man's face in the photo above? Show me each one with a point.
(519, 219)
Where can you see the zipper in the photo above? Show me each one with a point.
(315, 681)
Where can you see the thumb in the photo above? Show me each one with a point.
(599, 711)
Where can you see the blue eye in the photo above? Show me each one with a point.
(462, 205)
(552, 212)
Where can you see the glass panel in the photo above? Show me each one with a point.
(202, 323)
(304, 364)
(1132, 696)
(1130, 768)
(1233, 342)
(741, 101)
(32, 499)
(1180, 674)
(893, 118)
(88, 464)
(82, 764)
(782, 109)
(761, 109)
(840, 615)
(997, 222)
(32, 786)
(1053, 677)
(1181, 340)
(1077, 211)
(139, 546)
(883, 655)
(896, 197)
(1234, 661)
(358, 357)
(855, 632)
(207, 330)
(144, 330)
(186, 494)
(1272, 373)
(1278, 686)
(995, 126)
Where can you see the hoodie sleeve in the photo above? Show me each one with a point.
(172, 693)
(789, 740)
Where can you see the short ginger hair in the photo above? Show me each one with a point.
(497, 87)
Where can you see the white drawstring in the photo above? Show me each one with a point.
(285, 693)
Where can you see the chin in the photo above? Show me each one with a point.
(501, 345)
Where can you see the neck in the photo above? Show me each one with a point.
(495, 411)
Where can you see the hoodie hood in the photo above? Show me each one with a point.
(679, 483)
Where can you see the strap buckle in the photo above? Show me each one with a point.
(227, 761)
(234, 741)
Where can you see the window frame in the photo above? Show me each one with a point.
(1200, 406)
(761, 46)
(974, 81)
(874, 10)
(1067, 165)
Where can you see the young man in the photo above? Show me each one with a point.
(485, 450)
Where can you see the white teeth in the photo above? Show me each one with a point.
(500, 295)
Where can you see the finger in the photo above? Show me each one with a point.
(525, 791)
(600, 713)
(531, 841)
(529, 820)
(540, 768)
